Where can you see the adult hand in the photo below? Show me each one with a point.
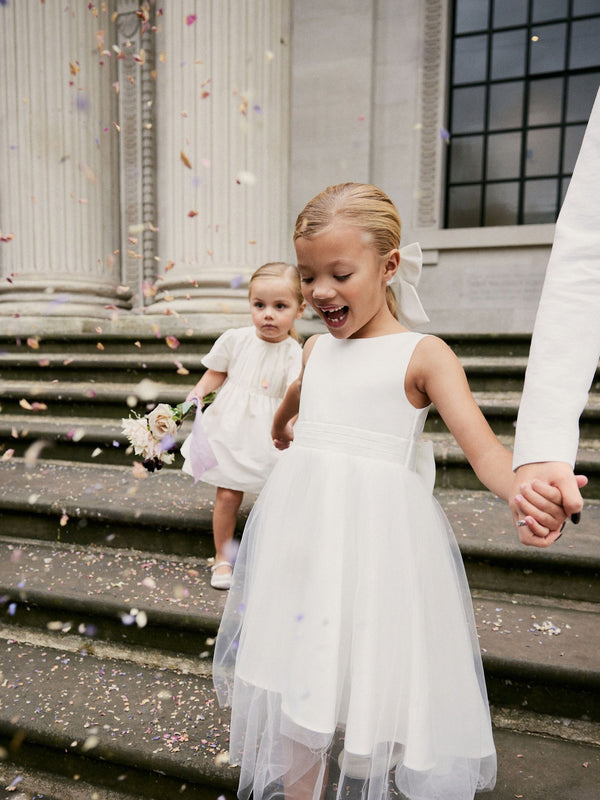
(537, 489)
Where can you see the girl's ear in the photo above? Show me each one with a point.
(391, 264)
(301, 309)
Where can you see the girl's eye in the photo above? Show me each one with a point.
(306, 280)
(281, 306)
(342, 277)
(257, 304)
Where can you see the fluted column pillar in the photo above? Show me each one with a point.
(222, 115)
(59, 178)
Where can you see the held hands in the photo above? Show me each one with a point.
(543, 496)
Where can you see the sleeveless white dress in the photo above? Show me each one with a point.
(350, 623)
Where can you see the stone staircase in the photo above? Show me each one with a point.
(107, 618)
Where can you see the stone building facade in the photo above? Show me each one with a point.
(153, 155)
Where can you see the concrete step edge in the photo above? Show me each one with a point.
(481, 522)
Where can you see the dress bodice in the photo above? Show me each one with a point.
(339, 380)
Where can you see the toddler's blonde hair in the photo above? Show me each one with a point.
(359, 204)
(280, 269)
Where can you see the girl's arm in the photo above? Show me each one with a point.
(435, 374)
(209, 382)
(282, 431)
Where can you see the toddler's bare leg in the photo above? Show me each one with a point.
(227, 505)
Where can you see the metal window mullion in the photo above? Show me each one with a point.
(486, 118)
(524, 119)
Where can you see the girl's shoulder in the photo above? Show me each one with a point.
(432, 354)
(309, 345)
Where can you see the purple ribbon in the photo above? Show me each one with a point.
(202, 457)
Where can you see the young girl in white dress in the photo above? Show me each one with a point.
(252, 368)
(348, 648)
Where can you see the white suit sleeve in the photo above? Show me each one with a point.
(565, 346)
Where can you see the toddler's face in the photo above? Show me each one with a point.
(343, 279)
(274, 308)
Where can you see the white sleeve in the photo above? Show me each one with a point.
(220, 353)
(565, 346)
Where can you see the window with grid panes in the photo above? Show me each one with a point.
(524, 75)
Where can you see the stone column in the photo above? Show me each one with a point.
(59, 179)
(222, 116)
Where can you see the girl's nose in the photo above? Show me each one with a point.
(323, 290)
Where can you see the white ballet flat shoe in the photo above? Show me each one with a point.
(221, 581)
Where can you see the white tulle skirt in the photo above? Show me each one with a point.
(347, 649)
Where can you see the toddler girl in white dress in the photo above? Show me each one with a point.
(252, 368)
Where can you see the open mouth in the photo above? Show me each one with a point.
(335, 317)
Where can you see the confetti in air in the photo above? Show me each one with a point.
(246, 178)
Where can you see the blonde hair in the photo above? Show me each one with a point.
(359, 204)
(279, 269)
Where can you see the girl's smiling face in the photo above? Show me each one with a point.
(344, 279)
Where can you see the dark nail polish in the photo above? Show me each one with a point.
(575, 518)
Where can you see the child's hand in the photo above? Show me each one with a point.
(195, 392)
(541, 506)
(282, 438)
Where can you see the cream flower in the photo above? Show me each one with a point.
(161, 421)
(136, 430)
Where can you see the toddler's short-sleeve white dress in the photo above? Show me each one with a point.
(238, 422)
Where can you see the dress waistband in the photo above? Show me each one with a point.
(414, 454)
(355, 441)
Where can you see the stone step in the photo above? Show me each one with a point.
(143, 730)
(482, 345)
(166, 514)
(501, 409)
(100, 441)
(87, 593)
(454, 472)
(104, 399)
(74, 438)
(167, 366)
(113, 722)
(101, 344)
(124, 597)
(107, 505)
(496, 561)
(539, 652)
(112, 400)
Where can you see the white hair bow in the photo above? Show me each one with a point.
(405, 282)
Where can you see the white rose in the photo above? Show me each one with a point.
(161, 421)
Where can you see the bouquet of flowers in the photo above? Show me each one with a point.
(153, 435)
